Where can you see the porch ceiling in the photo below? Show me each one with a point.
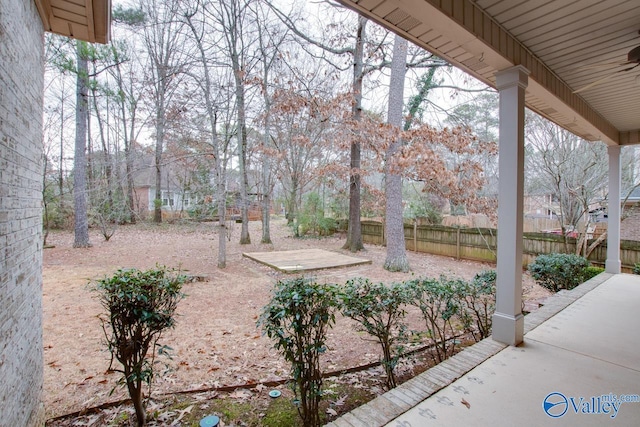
(559, 41)
(87, 20)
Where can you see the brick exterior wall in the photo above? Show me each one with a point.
(630, 226)
(21, 92)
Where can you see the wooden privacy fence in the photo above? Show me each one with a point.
(480, 244)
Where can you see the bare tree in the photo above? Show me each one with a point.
(571, 170)
(230, 16)
(127, 99)
(356, 51)
(396, 250)
(300, 141)
(367, 54)
(270, 39)
(163, 41)
(199, 29)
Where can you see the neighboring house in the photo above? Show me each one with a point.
(630, 225)
(176, 195)
(540, 206)
(254, 208)
(181, 193)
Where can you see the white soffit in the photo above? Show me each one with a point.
(559, 41)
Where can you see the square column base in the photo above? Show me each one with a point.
(508, 329)
(613, 266)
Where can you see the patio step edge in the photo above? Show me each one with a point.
(435, 379)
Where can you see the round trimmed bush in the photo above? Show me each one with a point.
(559, 271)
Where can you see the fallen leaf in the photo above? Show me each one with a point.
(240, 394)
(332, 412)
(340, 402)
(465, 403)
(165, 416)
(182, 413)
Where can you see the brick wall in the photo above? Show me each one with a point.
(630, 226)
(21, 88)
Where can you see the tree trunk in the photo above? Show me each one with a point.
(81, 222)
(238, 74)
(245, 239)
(157, 205)
(354, 232)
(128, 136)
(292, 211)
(266, 188)
(595, 244)
(394, 225)
(45, 205)
(266, 203)
(128, 159)
(222, 228)
(61, 171)
(135, 392)
(105, 149)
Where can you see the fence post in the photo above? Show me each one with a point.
(458, 243)
(415, 235)
(384, 238)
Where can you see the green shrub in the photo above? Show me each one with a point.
(636, 268)
(140, 305)
(379, 310)
(477, 304)
(311, 219)
(202, 211)
(297, 318)
(438, 300)
(591, 271)
(423, 208)
(559, 271)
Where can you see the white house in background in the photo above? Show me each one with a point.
(173, 199)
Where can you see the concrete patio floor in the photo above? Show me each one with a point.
(579, 346)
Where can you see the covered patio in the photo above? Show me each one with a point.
(576, 64)
(557, 58)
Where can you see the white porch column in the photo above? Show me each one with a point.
(508, 322)
(613, 264)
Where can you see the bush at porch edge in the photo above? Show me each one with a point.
(559, 271)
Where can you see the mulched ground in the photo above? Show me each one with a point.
(216, 342)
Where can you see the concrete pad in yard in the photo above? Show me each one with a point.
(304, 260)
